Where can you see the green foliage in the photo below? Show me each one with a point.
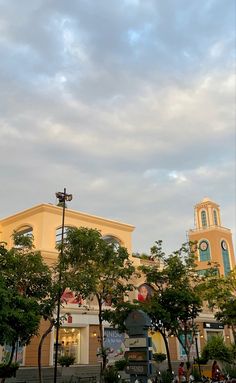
(196, 374)
(23, 286)
(111, 375)
(176, 299)
(98, 269)
(8, 371)
(166, 376)
(159, 357)
(202, 359)
(230, 369)
(220, 292)
(216, 349)
(120, 364)
(66, 360)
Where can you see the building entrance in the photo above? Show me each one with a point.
(69, 342)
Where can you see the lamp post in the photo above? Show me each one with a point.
(197, 352)
(62, 198)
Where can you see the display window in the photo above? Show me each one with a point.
(69, 343)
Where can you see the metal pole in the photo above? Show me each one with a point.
(199, 368)
(59, 285)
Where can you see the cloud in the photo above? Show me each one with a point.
(129, 104)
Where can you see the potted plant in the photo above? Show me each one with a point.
(8, 370)
(66, 360)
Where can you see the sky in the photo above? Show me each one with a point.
(129, 104)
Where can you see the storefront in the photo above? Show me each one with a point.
(69, 343)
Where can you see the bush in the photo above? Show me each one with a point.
(7, 371)
(159, 357)
(66, 360)
(166, 376)
(120, 364)
(216, 349)
(110, 375)
(201, 360)
(230, 370)
(196, 374)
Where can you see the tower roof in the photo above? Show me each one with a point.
(207, 200)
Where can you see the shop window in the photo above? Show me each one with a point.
(69, 342)
(204, 218)
(211, 334)
(225, 256)
(204, 251)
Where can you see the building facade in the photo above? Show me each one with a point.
(214, 248)
(79, 332)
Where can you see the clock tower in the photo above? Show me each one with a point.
(215, 243)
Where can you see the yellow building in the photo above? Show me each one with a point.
(78, 334)
(214, 241)
(215, 247)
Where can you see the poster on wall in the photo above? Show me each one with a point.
(115, 342)
(182, 352)
(18, 354)
(144, 293)
(69, 297)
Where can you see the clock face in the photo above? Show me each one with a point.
(203, 245)
(224, 245)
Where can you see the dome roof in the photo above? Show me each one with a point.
(206, 199)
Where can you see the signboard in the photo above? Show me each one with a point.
(136, 356)
(137, 323)
(137, 369)
(136, 342)
(213, 325)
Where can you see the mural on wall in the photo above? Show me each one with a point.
(182, 352)
(69, 297)
(144, 293)
(114, 341)
(18, 354)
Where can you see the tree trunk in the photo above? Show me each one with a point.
(103, 352)
(12, 353)
(234, 332)
(167, 350)
(49, 329)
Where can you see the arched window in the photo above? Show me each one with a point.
(225, 256)
(215, 217)
(24, 231)
(204, 251)
(113, 240)
(59, 234)
(204, 218)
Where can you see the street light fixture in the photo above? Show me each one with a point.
(197, 352)
(62, 198)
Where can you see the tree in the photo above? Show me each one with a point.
(25, 278)
(220, 293)
(176, 302)
(215, 348)
(97, 269)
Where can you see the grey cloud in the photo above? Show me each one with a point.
(129, 104)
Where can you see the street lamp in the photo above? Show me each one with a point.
(62, 198)
(197, 352)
